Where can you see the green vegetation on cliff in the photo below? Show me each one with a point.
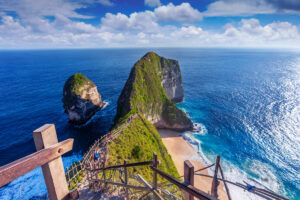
(76, 82)
(143, 92)
(137, 143)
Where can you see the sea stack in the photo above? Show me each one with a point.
(154, 84)
(81, 99)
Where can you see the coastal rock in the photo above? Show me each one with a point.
(154, 84)
(81, 99)
(171, 79)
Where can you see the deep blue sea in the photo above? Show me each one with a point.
(246, 101)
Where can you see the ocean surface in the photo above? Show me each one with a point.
(246, 103)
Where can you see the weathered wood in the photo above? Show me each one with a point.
(188, 188)
(126, 180)
(155, 164)
(120, 184)
(24, 165)
(156, 194)
(215, 182)
(53, 170)
(225, 184)
(204, 168)
(120, 166)
(188, 178)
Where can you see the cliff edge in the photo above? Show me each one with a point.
(154, 84)
(81, 99)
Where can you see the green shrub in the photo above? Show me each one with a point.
(136, 152)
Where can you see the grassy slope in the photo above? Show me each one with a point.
(140, 134)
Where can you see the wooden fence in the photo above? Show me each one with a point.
(76, 172)
(187, 186)
(48, 155)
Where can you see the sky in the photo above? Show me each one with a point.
(54, 24)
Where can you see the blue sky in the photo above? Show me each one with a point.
(32, 24)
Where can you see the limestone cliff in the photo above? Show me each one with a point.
(172, 80)
(153, 83)
(81, 99)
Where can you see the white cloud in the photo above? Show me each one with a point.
(238, 8)
(181, 13)
(30, 28)
(147, 21)
(136, 21)
(106, 2)
(33, 13)
(152, 3)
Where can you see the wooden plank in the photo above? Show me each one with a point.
(156, 194)
(120, 184)
(242, 186)
(126, 181)
(24, 165)
(120, 166)
(204, 168)
(215, 182)
(155, 164)
(188, 177)
(188, 188)
(226, 187)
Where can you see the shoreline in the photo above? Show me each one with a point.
(181, 150)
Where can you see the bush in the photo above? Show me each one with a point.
(136, 152)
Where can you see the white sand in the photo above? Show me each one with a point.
(180, 150)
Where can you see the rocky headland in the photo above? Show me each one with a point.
(81, 99)
(152, 89)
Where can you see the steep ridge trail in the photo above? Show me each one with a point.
(88, 161)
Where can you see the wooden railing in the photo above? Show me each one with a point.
(48, 155)
(148, 188)
(187, 186)
(75, 172)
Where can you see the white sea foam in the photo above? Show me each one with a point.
(199, 129)
(106, 104)
(95, 117)
(264, 176)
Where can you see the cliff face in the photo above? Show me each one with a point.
(153, 83)
(81, 99)
(172, 80)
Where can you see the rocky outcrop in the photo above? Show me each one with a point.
(81, 99)
(172, 80)
(154, 84)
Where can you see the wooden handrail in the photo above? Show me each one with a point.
(215, 182)
(24, 165)
(188, 188)
(244, 187)
(119, 166)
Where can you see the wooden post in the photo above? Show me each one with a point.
(215, 182)
(188, 178)
(226, 187)
(155, 164)
(126, 180)
(53, 171)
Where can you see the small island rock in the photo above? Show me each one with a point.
(81, 99)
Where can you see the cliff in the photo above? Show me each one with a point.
(81, 99)
(136, 143)
(153, 83)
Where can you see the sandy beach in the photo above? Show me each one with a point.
(181, 150)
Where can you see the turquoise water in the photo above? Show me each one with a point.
(246, 103)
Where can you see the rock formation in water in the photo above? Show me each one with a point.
(81, 99)
(154, 84)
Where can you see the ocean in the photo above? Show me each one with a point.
(245, 103)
